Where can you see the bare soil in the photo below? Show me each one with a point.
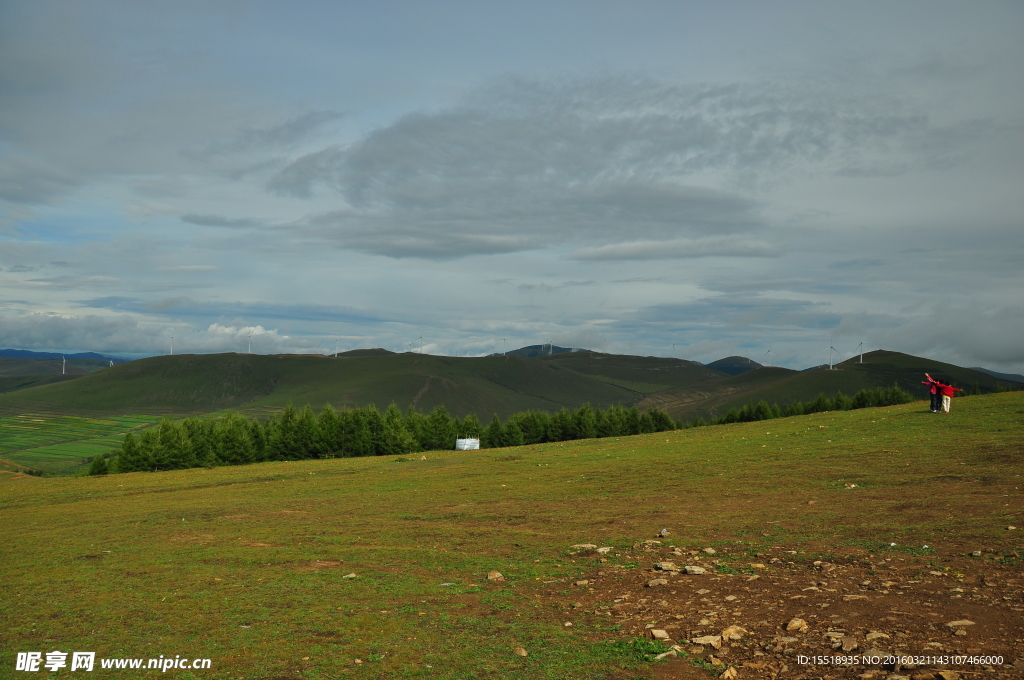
(848, 599)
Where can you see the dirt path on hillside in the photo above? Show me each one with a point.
(861, 615)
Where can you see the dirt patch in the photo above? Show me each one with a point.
(876, 603)
(317, 565)
(257, 544)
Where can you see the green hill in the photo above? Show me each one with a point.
(257, 384)
(734, 365)
(260, 383)
(881, 368)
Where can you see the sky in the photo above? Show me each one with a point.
(661, 178)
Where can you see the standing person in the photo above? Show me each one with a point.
(947, 394)
(934, 384)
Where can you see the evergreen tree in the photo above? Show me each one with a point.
(234, 443)
(492, 434)
(328, 431)
(307, 434)
(584, 423)
(646, 423)
(631, 421)
(99, 466)
(560, 426)
(149, 449)
(395, 438)
(416, 423)
(471, 427)
(175, 447)
(440, 431)
(662, 421)
(512, 433)
(130, 458)
(258, 435)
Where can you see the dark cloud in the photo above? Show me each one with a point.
(525, 164)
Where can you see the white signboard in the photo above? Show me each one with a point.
(467, 444)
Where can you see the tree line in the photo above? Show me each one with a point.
(302, 434)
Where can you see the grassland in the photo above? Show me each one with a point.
(246, 565)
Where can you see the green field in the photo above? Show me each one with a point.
(62, 444)
(246, 565)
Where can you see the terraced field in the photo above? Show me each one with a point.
(61, 444)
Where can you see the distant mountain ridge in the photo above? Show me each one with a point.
(29, 354)
(538, 351)
(1012, 377)
(734, 365)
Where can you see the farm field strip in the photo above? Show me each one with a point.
(248, 565)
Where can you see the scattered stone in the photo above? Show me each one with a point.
(665, 655)
(733, 633)
(694, 570)
(584, 582)
(1011, 528)
(758, 565)
(949, 675)
(787, 640)
(799, 625)
(350, 576)
(519, 651)
(576, 605)
(960, 631)
(851, 598)
(657, 582)
(666, 566)
(663, 533)
(875, 635)
(713, 640)
(704, 622)
(729, 674)
(567, 624)
(976, 553)
(710, 551)
(703, 591)
(849, 643)
(584, 546)
(962, 623)
(605, 550)
(659, 634)
(495, 576)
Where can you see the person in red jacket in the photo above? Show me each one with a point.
(934, 384)
(947, 394)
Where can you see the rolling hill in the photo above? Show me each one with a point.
(260, 384)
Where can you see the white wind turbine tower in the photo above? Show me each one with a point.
(860, 348)
(504, 347)
(250, 339)
(830, 350)
(769, 354)
(420, 340)
(336, 341)
(63, 364)
(172, 345)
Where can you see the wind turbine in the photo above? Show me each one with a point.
(250, 340)
(111, 363)
(860, 348)
(63, 364)
(172, 345)
(504, 347)
(830, 350)
(336, 340)
(419, 340)
(769, 354)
